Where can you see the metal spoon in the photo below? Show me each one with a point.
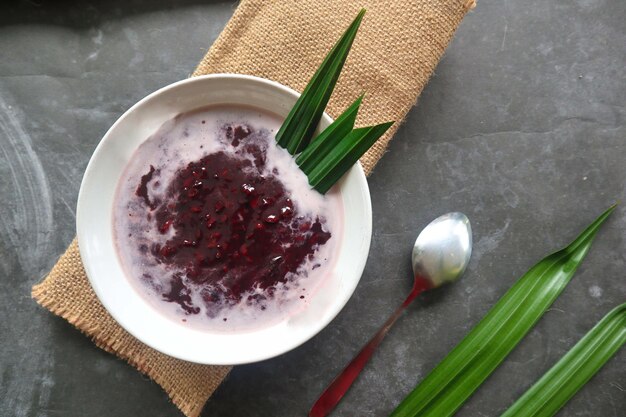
(440, 255)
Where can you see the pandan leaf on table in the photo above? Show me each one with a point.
(568, 375)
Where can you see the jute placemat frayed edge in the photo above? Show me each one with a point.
(67, 293)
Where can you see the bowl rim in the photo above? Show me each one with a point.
(82, 217)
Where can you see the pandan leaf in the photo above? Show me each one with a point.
(574, 369)
(337, 162)
(298, 128)
(324, 143)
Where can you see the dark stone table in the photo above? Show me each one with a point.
(522, 128)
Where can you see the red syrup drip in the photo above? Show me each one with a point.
(232, 226)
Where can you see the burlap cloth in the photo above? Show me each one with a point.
(395, 52)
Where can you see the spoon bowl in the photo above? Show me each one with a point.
(443, 249)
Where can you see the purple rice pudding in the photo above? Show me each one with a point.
(216, 226)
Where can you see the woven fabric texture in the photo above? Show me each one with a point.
(394, 54)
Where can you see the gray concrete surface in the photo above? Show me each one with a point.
(522, 128)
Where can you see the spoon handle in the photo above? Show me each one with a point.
(342, 382)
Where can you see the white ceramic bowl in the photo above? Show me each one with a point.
(130, 309)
